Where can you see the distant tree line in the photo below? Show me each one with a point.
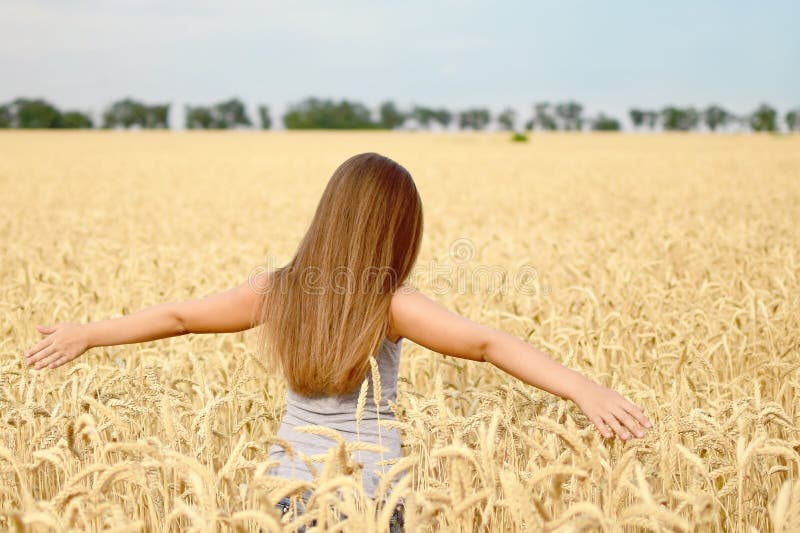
(37, 113)
(713, 117)
(128, 113)
(317, 113)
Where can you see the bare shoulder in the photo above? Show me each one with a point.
(257, 289)
(404, 296)
(425, 322)
(260, 283)
(403, 300)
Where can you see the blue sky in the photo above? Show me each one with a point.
(608, 55)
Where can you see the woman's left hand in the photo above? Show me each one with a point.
(61, 344)
(610, 412)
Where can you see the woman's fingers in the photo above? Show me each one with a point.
(601, 426)
(39, 351)
(638, 413)
(623, 424)
(58, 361)
(615, 425)
(629, 421)
(37, 360)
(49, 359)
(38, 346)
(44, 361)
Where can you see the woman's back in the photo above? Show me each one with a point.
(339, 414)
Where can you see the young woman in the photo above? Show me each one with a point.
(339, 301)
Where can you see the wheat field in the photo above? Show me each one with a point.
(665, 266)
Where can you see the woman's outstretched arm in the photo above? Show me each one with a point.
(425, 322)
(224, 312)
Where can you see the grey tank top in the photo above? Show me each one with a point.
(339, 413)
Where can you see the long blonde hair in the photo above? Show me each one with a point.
(326, 311)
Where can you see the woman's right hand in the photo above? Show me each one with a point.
(609, 410)
(61, 344)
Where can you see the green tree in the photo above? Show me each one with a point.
(390, 116)
(5, 116)
(793, 120)
(424, 116)
(764, 118)
(570, 115)
(315, 113)
(126, 113)
(427, 116)
(543, 118)
(223, 115)
(34, 113)
(715, 117)
(230, 114)
(156, 116)
(605, 123)
(691, 118)
(75, 119)
(443, 117)
(651, 119)
(475, 119)
(199, 117)
(38, 113)
(264, 118)
(671, 117)
(679, 119)
(637, 117)
(507, 119)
